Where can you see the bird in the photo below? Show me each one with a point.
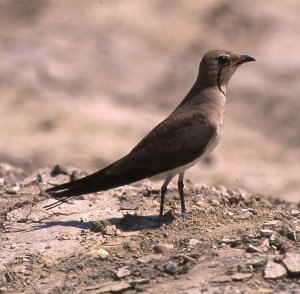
(177, 143)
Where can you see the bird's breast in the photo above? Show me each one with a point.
(173, 172)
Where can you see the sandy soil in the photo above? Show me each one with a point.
(109, 242)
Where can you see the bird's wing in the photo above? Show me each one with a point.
(176, 141)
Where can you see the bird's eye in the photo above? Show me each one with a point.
(223, 60)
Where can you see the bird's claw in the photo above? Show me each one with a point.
(185, 215)
(162, 226)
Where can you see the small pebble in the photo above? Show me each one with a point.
(123, 272)
(111, 230)
(171, 267)
(163, 248)
(12, 189)
(98, 253)
(244, 215)
(193, 242)
(265, 232)
(253, 249)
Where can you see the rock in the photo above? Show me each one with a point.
(231, 242)
(273, 224)
(255, 263)
(241, 276)
(170, 267)
(9, 277)
(274, 270)
(213, 264)
(59, 169)
(221, 279)
(163, 248)
(292, 262)
(253, 249)
(111, 230)
(295, 212)
(278, 242)
(292, 235)
(265, 245)
(123, 272)
(244, 215)
(99, 253)
(100, 226)
(14, 189)
(109, 287)
(266, 232)
(193, 242)
(139, 282)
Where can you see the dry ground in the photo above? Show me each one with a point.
(109, 243)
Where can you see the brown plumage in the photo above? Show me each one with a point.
(174, 145)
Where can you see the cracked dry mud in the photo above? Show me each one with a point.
(231, 242)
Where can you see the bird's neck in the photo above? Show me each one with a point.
(201, 94)
(209, 103)
(211, 98)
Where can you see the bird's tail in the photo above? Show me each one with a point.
(72, 189)
(98, 181)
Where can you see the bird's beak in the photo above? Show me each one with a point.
(245, 58)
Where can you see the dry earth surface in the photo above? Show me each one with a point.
(81, 82)
(231, 242)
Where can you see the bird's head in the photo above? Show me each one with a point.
(218, 66)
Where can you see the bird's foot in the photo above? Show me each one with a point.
(160, 223)
(162, 227)
(185, 215)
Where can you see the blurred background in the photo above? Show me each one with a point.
(81, 82)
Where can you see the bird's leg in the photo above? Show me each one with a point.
(163, 192)
(181, 193)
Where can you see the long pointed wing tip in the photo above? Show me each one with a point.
(50, 206)
(54, 204)
(51, 190)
